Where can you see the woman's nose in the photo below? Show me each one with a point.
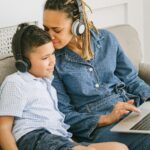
(51, 33)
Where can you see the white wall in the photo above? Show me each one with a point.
(146, 5)
(13, 12)
(115, 12)
(106, 13)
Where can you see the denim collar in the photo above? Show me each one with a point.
(73, 57)
(97, 37)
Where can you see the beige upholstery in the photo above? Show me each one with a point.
(7, 66)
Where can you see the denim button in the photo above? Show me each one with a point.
(90, 69)
(96, 85)
(99, 46)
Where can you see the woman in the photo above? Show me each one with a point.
(96, 83)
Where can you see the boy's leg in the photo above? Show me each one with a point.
(83, 148)
(109, 146)
(43, 140)
(102, 146)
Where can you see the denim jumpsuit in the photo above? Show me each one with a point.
(88, 89)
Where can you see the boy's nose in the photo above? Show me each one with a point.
(52, 60)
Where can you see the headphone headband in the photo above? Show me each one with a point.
(19, 41)
(22, 63)
(80, 8)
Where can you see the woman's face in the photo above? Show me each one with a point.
(58, 25)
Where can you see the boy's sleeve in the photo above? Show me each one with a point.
(12, 99)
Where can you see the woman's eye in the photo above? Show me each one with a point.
(57, 31)
(46, 29)
(44, 58)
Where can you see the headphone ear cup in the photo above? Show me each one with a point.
(78, 27)
(23, 65)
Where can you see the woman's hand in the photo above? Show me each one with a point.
(120, 109)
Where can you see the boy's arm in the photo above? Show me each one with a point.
(7, 140)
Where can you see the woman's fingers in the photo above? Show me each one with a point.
(127, 106)
(130, 101)
(120, 109)
(131, 108)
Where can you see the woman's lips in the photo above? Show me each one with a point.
(55, 42)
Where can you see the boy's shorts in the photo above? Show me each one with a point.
(43, 140)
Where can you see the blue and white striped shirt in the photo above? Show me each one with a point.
(33, 103)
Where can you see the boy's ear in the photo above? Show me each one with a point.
(23, 65)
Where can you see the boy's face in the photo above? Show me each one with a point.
(42, 60)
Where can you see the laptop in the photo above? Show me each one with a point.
(135, 122)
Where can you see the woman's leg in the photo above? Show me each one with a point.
(133, 141)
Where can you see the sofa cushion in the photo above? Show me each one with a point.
(7, 66)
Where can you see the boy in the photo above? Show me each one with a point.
(29, 115)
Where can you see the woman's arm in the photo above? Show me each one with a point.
(127, 73)
(81, 124)
(7, 140)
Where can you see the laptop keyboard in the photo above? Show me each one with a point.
(144, 124)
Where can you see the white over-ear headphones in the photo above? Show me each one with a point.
(78, 26)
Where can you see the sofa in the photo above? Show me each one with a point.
(126, 35)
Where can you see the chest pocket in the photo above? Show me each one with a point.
(78, 78)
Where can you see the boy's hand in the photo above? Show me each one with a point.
(83, 148)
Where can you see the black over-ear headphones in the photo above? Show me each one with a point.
(22, 64)
(78, 26)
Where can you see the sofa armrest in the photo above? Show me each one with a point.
(144, 72)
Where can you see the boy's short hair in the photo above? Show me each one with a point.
(26, 37)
